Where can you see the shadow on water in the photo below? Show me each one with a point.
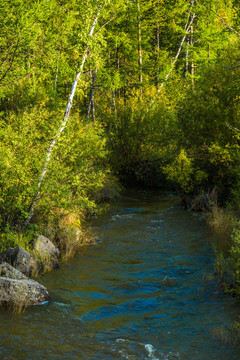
(145, 291)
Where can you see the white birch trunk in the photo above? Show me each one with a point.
(187, 28)
(60, 129)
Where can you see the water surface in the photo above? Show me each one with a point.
(145, 291)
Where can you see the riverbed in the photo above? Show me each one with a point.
(146, 290)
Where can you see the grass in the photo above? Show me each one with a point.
(221, 222)
(73, 240)
(12, 239)
(227, 334)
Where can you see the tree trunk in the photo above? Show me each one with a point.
(139, 45)
(91, 101)
(186, 59)
(60, 129)
(93, 91)
(118, 68)
(187, 28)
(114, 104)
(158, 49)
(192, 62)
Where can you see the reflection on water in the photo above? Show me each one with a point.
(146, 291)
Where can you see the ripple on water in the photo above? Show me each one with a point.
(134, 350)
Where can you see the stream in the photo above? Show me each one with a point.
(146, 290)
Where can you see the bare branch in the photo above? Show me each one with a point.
(232, 68)
(232, 127)
(223, 21)
(106, 23)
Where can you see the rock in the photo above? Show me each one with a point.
(36, 265)
(21, 293)
(17, 257)
(45, 247)
(45, 253)
(10, 272)
(44, 257)
(18, 291)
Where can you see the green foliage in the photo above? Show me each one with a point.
(76, 175)
(12, 239)
(228, 264)
(186, 134)
(78, 170)
(205, 119)
(139, 140)
(183, 174)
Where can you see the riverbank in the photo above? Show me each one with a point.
(18, 266)
(224, 223)
(145, 290)
(67, 240)
(31, 254)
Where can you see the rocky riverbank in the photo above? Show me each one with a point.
(18, 266)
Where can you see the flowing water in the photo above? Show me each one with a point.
(145, 291)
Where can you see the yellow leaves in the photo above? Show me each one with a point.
(183, 173)
(180, 171)
(219, 154)
(236, 99)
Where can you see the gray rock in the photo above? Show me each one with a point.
(18, 291)
(46, 253)
(10, 272)
(17, 257)
(21, 293)
(45, 247)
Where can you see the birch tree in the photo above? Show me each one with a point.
(187, 28)
(62, 125)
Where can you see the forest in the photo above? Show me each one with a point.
(99, 95)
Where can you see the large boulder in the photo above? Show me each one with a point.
(18, 258)
(45, 254)
(18, 291)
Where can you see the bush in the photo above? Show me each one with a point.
(78, 170)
